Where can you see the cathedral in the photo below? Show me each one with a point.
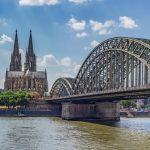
(28, 79)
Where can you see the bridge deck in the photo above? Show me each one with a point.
(109, 95)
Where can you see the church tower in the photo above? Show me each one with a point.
(30, 79)
(30, 60)
(15, 64)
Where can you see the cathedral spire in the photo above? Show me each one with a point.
(30, 63)
(16, 45)
(15, 64)
(45, 73)
(30, 46)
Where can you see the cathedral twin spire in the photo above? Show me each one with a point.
(15, 64)
(30, 63)
(30, 58)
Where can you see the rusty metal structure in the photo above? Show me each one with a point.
(115, 64)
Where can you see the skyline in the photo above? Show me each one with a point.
(64, 32)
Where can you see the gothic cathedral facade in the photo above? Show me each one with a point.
(28, 79)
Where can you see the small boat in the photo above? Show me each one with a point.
(21, 114)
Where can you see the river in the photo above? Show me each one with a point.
(37, 133)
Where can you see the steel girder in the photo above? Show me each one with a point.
(116, 63)
(62, 87)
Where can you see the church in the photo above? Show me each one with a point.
(28, 79)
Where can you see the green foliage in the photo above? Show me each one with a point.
(128, 104)
(8, 98)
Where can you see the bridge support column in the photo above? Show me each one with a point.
(100, 110)
(71, 111)
(108, 110)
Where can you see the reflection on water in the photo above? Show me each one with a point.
(57, 134)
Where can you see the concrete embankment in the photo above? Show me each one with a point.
(135, 114)
(35, 108)
(28, 113)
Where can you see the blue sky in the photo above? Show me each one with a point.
(65, 31)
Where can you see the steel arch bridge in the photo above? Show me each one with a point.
(62, 87)
(116, 63)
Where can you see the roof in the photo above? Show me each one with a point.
(16, 74)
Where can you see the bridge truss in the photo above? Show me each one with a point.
(62, 87)
(116, 63)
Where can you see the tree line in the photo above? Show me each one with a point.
(13, 99)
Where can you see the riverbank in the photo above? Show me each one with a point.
(28, 113)
(135, 114)
(52, 113)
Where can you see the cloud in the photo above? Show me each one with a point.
(66, 61)
(102, 28)
(78, 1)
(76, 68)
(94, 43)
(64, 67)
(50, 60)
(69, 72)
(76, 25)
(5, 39)
(64, 74)
(109, 25)
(80, 35)
(127, 22)
(47, 60)
(38, 2)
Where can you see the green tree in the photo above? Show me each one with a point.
(8, 98)
(128, 104)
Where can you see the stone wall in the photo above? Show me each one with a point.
(35, 108)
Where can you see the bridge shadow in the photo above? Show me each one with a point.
(117, 124)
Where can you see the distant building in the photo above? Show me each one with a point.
(1, 90)
(139, 103)
(28, 79)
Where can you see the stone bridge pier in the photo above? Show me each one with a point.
(95, 110)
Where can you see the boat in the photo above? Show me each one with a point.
(20, 114)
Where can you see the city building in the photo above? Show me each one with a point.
(28, 79)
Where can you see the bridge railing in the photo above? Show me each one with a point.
(128, 89)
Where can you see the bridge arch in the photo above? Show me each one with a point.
(62, 87)
(118, 62)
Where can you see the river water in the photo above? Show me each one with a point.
(56, 134)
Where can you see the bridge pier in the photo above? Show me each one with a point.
(98, 110)
(108, 110)
(73, 111)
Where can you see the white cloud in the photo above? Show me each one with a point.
(78, 1)
(102, 28)
(77, 25)
(47, 60)
(80, 35)
(5, 39)
(94, 43)
(38, 2)
(64, 67)
(64, 74)
(50, 60)
(127, 22)
(76, 68)
(66, 61)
